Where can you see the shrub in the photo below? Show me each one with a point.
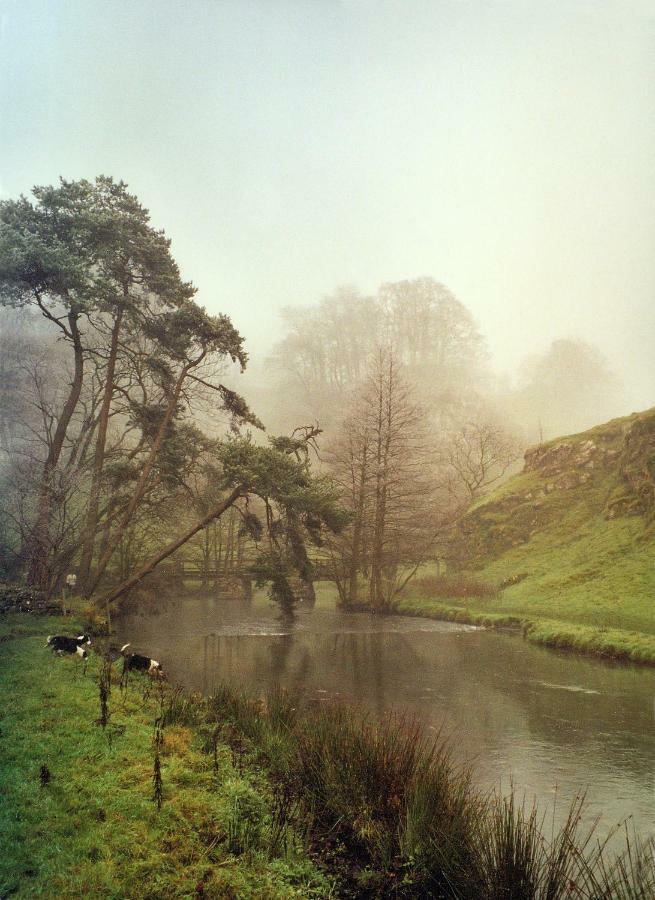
(183, 708)
(449, 586)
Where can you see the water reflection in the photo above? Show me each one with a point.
(554, 723)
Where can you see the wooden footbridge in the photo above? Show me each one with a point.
(190, 570)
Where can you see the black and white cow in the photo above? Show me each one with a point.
(60, 643)
(138, 663)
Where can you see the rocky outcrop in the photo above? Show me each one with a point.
(625, 447)
(635, 494)
(554, 458)
(608, 471)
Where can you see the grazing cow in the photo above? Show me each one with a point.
(134, 661)
(62, 644)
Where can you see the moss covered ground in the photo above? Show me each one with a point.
(77, 815)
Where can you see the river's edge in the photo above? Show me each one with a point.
(260, 799)
(609, 644)
(586, 640)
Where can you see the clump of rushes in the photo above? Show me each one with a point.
(516, 860)
(393, 816)
(245, 822)
(182, 708)
(629, 876)
(399, 805)
(284, 813)
(244, 713)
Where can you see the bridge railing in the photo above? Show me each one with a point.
(178, 568)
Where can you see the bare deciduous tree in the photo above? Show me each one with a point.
(383, 461)
(477, 455)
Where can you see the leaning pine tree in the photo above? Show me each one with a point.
(85, 256)
(298, 508)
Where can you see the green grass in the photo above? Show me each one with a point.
(582, 569)
(586, 584)
(261, 799)
(556, 562)
(94, 830)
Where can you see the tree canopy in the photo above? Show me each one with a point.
(84, 254)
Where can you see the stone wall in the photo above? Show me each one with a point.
(14, 598)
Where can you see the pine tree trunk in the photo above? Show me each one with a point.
(40, 568)
(140, 488)
(99, 458)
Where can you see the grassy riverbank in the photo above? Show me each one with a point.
(607, 643)
(93, 830)
(565, 550)
(259, 799)
(585, 586)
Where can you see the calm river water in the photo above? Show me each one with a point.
(554, 724)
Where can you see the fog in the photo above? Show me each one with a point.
(411, 245)
(505, 149)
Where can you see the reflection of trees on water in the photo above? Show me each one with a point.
(210, 658)
(293, 676)
(279, 651)
(490, 692)
(254, 662)
(360, 667)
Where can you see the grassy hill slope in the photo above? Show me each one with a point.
(567, 547)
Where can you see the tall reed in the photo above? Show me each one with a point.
(398, 818)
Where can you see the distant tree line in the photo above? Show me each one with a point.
(327, 349)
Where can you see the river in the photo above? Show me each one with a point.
(554, 724)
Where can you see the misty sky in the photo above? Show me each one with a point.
(505, 148)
